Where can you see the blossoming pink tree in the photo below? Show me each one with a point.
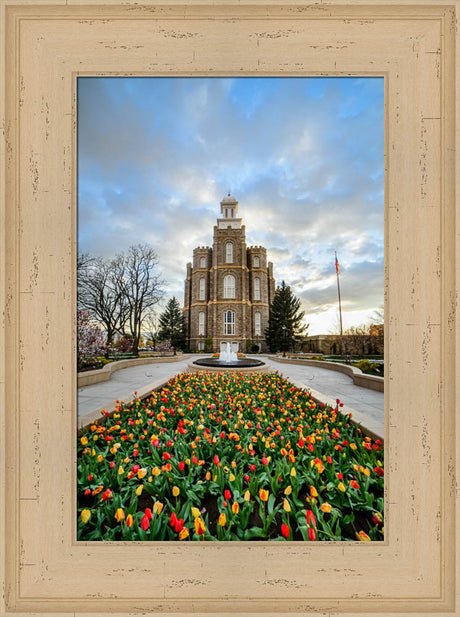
(90, 340)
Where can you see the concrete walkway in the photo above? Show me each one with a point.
(325, 385)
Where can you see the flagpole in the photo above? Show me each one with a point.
(337, 271)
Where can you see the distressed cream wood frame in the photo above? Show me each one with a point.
(45, 571)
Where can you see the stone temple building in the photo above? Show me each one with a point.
(228, 289)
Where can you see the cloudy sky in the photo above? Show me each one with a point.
(303, 156)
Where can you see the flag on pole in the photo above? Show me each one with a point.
(337, 265)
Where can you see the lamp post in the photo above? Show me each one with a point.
(284, 340)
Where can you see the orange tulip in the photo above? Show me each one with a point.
(119, 514)
(263, 494)
(363, 537)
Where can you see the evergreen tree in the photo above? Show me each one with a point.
(285, 320)
(172, 325)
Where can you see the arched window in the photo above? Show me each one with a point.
(256, 289)
(256, 262)
(229, 286)
(201, 323)
(229, 253)
(257, 324)
(229, 322)
(202, 289)
(203, 262)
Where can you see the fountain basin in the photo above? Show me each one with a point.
(249, 365)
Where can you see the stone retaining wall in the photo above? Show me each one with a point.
(372, 382)
(88, 378)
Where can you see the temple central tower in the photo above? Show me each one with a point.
(228, 288)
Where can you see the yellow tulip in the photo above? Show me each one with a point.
(157, 507)
(195, 512)
(184, 533)
(175, 491)
(139, 489)
(142, 473)
(120, 470)
(120, 514)
(231, 477)
(326, 507)
(84, 441)
(200, 527)
(156, 471)
(85, 516)
(235, 507)
(293, 472)
(247, 496)
(288, 490)
(286, 505)
(313, 492)
(341, 487)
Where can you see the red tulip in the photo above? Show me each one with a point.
(179, 525)
(354, 484)
(264, 460)
(173, 519)
(216, 459)
(181, 465)
(311, 534)
(311, 518)
(285, 531)
(252, 467)
(227, 494)
(379, 471)
(148, 513)
(145, 523)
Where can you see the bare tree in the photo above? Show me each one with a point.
(140, 285)
(151, 326)
(100, 293)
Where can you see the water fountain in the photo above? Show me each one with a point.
(228, 361)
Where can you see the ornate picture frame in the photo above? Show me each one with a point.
(45, 571)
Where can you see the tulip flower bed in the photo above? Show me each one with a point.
(229, 457)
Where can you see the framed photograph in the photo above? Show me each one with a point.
(305, 156)
(45, 570)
